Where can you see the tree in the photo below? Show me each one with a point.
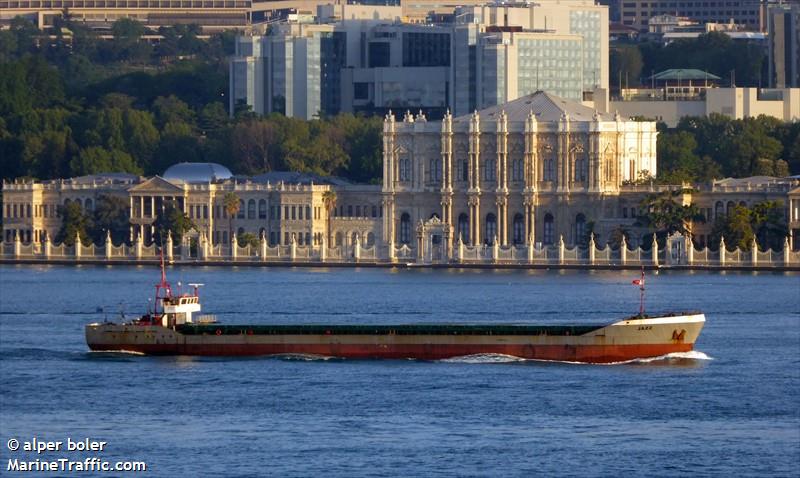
(625, 65)
(616, 236)
(768, 222)
(665, 215)
(96, 159)
(256, 146)
(73, 222)
(248, 239)
(174, 221)
(111, 215)
(329, 201)
(735, 227)
(232, 204)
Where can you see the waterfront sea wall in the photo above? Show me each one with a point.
(677, 252)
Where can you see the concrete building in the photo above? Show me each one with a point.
(737, 103)
(784, 45)
(485, 56)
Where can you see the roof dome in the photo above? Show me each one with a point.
(197, 172)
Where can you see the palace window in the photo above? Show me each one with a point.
(580, 169)
(262, 209)
(491, 228)
(463, 170)
(251, 209)
(548, 228)
(463, 227)
(518, 229)
(435, 170)
(405, 228)
(240, 214)
(549, 169)
(517, 169)
(489, 173)
(405, 169)
(580, 229)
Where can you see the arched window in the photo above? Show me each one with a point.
(239, 232)
(77, 201)
(262, 209)
(518, 227)
(463, 227)
(719, 209)
(251, 209)
(730, 207)
(517, 169)
(548, 228)
(240, 214)
(491, 228)
(88, 205)
(580, 229)
(370, 239)
(405, 228)
(339, 238)
(742, 203)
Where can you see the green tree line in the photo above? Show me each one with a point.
(700, 149)
(77, 105)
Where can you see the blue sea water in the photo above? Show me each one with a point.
(733, 410)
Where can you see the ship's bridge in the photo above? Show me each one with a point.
(179, 309)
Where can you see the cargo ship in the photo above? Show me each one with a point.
(175, 326)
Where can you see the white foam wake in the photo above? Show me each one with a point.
(125, 352)
(673, 357)
(484, 358)
(302, 357)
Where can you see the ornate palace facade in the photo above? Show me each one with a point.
(525, 172)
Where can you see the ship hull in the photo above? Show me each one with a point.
(616, 342)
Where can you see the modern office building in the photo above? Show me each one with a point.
(483, 56)
(784, 45)
(750, 13)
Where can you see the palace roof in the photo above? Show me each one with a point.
(546, 106)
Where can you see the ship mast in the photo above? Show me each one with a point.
(162, 286)
(641, 294)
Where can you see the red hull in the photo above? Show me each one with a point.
(566, 353)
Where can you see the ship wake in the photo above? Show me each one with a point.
(484, 358)
(676, 358)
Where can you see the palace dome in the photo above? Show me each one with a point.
(197, 172)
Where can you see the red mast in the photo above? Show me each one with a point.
(162, 286)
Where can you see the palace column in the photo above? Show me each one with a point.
(501, 192)
(563, 155)
(447, 169)
(595, 156)
(531, 174)
(389, 166)
(474, 190)
(619, 157)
